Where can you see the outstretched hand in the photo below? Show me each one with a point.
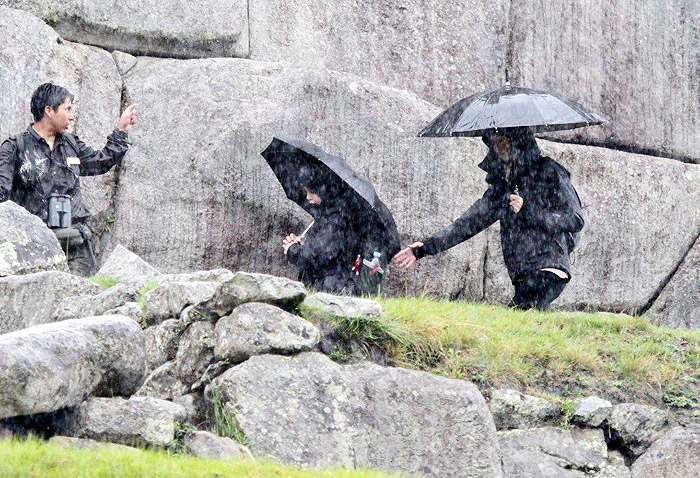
(405, 258)
(127, 119)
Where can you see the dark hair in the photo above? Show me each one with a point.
(45, 95)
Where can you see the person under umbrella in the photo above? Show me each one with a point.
(346, 247)
(539, 210)
(326, 253)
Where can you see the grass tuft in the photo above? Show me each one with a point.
(104, 281)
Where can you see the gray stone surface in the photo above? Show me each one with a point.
(139, 421)
(32, 53)
(90, 305)
(675, 455)
(214, 275)
(124, 61)
(167, 301)
(31, 299)
(130, 309)
(341, 306)
(162, 342)
(592, 411)
(635, 62)
(635, 427)
(196, 351)
(195, 408)
(309, 411)
(230, 194)
(512, 409)
(678, 305)
(204, 444)
(634, 207)
(436, 52)
(247, 287)
(128, 268)
(255, 329)
(53, 366)
(163, 383)
(26, 244)
(555, 452)
(158, 28)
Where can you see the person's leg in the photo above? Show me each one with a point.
(525, 292)
(551, 287)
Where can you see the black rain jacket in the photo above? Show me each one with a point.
(535, 237)
(29, 177)
(326, 258)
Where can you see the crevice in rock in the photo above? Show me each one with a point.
(484, 270)
(626, 148)
(510, 43)
(642, 310)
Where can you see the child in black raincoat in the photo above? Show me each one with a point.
(539, 211)
(326, 254)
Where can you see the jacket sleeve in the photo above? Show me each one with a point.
(478, 217)
(93, 163)
(8, 152)
(562, 213)
(320, 251)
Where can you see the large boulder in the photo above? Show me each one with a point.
(31, 299)
(163, 383)
(90, 305)
(557, 452)
(128, 268)
(512, 409)
(634, 206)
(195, 352)
(634, 61)
(342, 306)
(634, 427)
(679, 301)
(229, 194)
(675, 455)
(201, 28)
(33, 53)
(310, 411)
(207, 445)
(246, 287)
(162, 342)
(53, 366)
(436, 52)
(26, 244)
(139, 421)
(257, 329)
(167, 301)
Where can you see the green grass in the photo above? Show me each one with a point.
(104, 281)
(34, 458)
(149, 286)
(561, 353)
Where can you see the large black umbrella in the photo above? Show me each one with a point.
(510, 107)
(293, 160)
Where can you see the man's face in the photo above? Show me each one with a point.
(62, 117)
(501, 144)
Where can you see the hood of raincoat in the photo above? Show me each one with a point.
(524, 152)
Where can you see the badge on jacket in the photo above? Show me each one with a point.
(73, 161)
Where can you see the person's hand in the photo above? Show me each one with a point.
(127, 119)
(516, 203)
(405, 257)
(290, 240)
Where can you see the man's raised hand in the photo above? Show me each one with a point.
(128, 118)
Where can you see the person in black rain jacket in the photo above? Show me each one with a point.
(539, 210)
(326, 254)
(45, 160)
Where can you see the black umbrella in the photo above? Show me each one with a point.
(510, 107)
(293, 160)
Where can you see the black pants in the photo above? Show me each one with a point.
(79, 252)
(537, 290)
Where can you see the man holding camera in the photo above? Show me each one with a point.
(40, 170)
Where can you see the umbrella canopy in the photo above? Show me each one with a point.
(510, 107)
(294, 160)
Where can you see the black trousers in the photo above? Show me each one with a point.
(537, 290)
